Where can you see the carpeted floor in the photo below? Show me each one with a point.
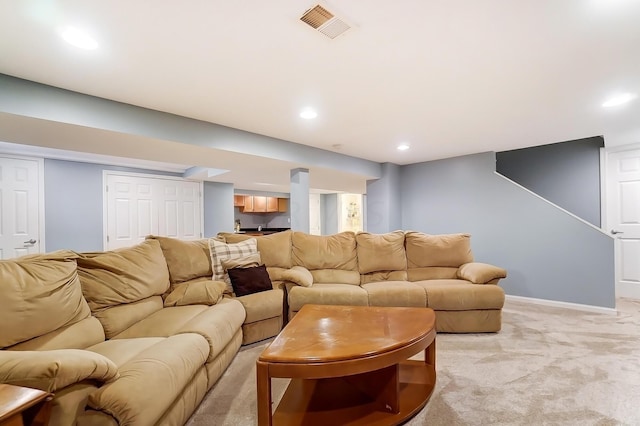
(548, 366)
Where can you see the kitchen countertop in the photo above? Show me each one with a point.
(263, 231)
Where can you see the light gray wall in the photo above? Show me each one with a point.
(73, 204)
(218, 208)
(548, 253)
(329, 213)
(566, 173)
(30, 99)
(384, 201)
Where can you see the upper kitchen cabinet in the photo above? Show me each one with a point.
(261, 204)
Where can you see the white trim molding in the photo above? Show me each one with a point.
(628, 290)
(565, 305)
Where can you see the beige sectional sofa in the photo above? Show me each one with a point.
(137, 336)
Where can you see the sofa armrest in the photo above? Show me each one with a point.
(56, 369)
(298, 275)
(481, 273)
(201, 291)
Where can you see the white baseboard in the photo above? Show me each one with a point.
(629, 290)
(566, 305)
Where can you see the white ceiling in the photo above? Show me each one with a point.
(448, 77)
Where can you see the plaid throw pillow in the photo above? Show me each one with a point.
(223, 251)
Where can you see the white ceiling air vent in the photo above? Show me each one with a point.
(324, 21)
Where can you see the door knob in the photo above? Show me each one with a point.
(614, 232)
(31, 241)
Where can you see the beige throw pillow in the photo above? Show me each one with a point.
(223, 251)
(242, 262)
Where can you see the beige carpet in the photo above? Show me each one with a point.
(548, 366)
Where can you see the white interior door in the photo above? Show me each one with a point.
(315, 223)
(137, 206)
(623, 218)
(20, 206)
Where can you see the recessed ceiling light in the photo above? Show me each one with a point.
(78, 38)
(308, 114)
(619, 100)
(403, 147)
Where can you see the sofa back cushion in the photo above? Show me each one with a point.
(436, 256)
(275, 249)
(121, 277)
(336, 251)
(186, 260)
(381, 252)
(38, 295)
(450, 250)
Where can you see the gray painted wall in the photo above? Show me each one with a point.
(548, 253)
(383, 201)
(566, 173)
(217, 200)
(73, 204)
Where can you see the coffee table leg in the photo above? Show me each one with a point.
(430, 354)
(263, 394)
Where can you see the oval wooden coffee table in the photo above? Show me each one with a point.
(349, 366)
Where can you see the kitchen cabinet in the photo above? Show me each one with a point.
(248, 204)
(238, 200)
(261, 204)
(283, 204)
(272, 204)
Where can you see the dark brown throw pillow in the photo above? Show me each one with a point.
(249, 280)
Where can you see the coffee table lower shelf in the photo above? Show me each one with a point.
(364, 399)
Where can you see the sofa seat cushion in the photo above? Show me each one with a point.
(217, 323)
(373, 277)
(121, 351)
(327, 294)
(460, 295)
(432, 273)
(263, 305)
(395, 293)
(151, 379)
(333, 276)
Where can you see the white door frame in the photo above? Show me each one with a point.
(105, 205)
(604, 200)
(41, 208)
